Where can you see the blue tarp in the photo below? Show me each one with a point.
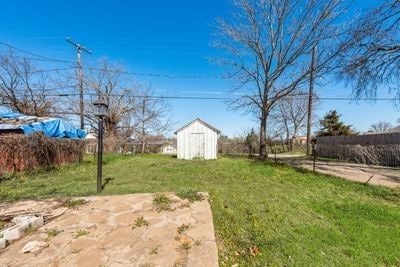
(8, 113)
(52, 127)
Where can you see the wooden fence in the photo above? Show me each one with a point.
(373, 149)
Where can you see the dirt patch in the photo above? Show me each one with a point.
(351, 171)
(120, 231)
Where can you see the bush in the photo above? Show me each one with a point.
(28, 152)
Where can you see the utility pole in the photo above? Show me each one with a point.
(79, 50)
(310, 99)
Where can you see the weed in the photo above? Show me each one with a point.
(76, 250)
(53, 232)
(185, 246)
(80, 233)
(154, 251)
(74, 203)
(139, 222)
(2, 224)
(162, 202)
(183, 228)
(191, 195)
(30, 230)
(197, 243)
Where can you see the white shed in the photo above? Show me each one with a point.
(197, 139)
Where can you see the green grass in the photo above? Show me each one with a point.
(74, 203)
(264, 214)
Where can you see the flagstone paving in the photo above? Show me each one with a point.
(125, 230)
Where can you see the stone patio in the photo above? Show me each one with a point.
(125, 230)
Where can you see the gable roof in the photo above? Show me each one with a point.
(200, 121)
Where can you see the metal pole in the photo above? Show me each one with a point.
(310, 99)
(314, 157)
(100, 156)
(80, 87)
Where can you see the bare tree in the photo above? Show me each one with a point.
(372, 57)
(268, 45)
(107, 83)
(291, 114)
(24, 88)
(381, 127)
(151, 117)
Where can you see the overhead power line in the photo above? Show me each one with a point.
(52, 70)
(173, 76)
(34, 54)
(206, 98)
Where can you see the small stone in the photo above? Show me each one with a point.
(34, 246)
(3, 242)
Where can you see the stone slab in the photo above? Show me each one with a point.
(106, 231)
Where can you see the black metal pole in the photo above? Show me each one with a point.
(314, 151)
(100, 156)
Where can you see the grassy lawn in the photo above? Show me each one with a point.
(263, 214)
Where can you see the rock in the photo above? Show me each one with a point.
(14, 232)
(3, 242)
(23, 223)
(34, 246)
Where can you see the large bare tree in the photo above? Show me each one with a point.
(23, 87)
(372, 57)
(108, 83)
(151, 117)
(268, 45)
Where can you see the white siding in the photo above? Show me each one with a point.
(190, 142)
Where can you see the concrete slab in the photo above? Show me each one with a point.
(105, 232)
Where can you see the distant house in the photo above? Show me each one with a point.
(299, 140)
(168, 148)
(91, 134)
(197, 139)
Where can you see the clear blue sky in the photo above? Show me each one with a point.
(167, 37)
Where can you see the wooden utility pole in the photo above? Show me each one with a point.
(79, 50)
(310, 100)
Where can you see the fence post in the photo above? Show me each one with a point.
(314, 153)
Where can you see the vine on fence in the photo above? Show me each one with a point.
(27, 152)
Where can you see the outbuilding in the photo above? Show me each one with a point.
(197, 140)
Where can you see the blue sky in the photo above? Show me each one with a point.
(161, 37)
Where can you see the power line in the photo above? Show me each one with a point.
(209, 98)
(51, 70)
(34, 54)
(173, 76)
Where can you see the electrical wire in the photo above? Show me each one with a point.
(173, 76)
(200, 97)
(34, 54)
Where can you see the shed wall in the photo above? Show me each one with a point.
(186, 147)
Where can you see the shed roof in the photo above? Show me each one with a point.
(200, 121)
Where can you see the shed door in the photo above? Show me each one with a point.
(197, 145)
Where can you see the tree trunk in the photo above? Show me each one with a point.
(143, 146)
